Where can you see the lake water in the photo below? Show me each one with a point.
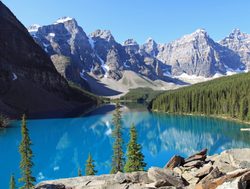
(61, 146)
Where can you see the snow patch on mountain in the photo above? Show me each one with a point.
(63, 20)
(33, 28)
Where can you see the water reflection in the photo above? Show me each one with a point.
(62, 145)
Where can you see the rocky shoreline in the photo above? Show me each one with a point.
(228, 170)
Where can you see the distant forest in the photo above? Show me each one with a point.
(227, 96)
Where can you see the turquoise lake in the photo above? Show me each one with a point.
(61, 146)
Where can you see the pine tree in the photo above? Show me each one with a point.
(90, 167)
(79, 172)
(118, 155)
(135, 158)
(12, 182)
(26, 157)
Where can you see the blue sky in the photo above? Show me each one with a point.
(163, 20)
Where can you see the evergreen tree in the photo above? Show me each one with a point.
(117, 158)
(79, 172)
(226, 97)
(90, 167)
(26, 157)
(135, 158)
(12, 182)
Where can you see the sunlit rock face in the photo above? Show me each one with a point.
(79, 57)
(240, 43)
(197, 54)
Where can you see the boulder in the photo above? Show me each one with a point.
(213, 183)
(172, 179)
(138, 177)
(206, 181)
(120, 178)
(190, 178)
(196, 163)
(231, 160)
(239, 158)
(175, 161)
(244, 181)
(204, 171)
(229, 185)
(202, 155)
(178, 170)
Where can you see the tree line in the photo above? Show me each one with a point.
(134, 162)
(227, 96)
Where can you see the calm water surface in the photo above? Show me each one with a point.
(61, 146)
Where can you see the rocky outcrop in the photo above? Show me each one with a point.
(239, 42)
(29, 82)
(230, 169)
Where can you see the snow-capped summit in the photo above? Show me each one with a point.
(200, 31)
(63, 20)
(197, 34)
(130, 42)
(33, 28)
(103, 34)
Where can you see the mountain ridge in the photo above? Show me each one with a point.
(194, 54)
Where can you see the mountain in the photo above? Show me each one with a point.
(91, 60)
(226, 97)
(98, 62)
(197, 54)
(29, 82)
(239, 42)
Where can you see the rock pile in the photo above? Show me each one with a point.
(229, 170)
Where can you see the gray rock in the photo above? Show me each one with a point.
(175, 161)
(205, 170)
(195, 163)
(190, 178)
(155, 174)
(239, 42)
(231, 160)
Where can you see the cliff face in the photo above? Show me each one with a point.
(29, 82)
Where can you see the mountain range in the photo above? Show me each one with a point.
(98, 63)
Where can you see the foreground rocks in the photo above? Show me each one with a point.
(229, 170)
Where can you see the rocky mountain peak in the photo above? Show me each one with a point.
(150, 47)
(240, 43)
(130, 42)
(150, 41)
(197, 35)
(103, 34)
(200, 31)
(64, 20)
(33, 28)
(236, 34)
